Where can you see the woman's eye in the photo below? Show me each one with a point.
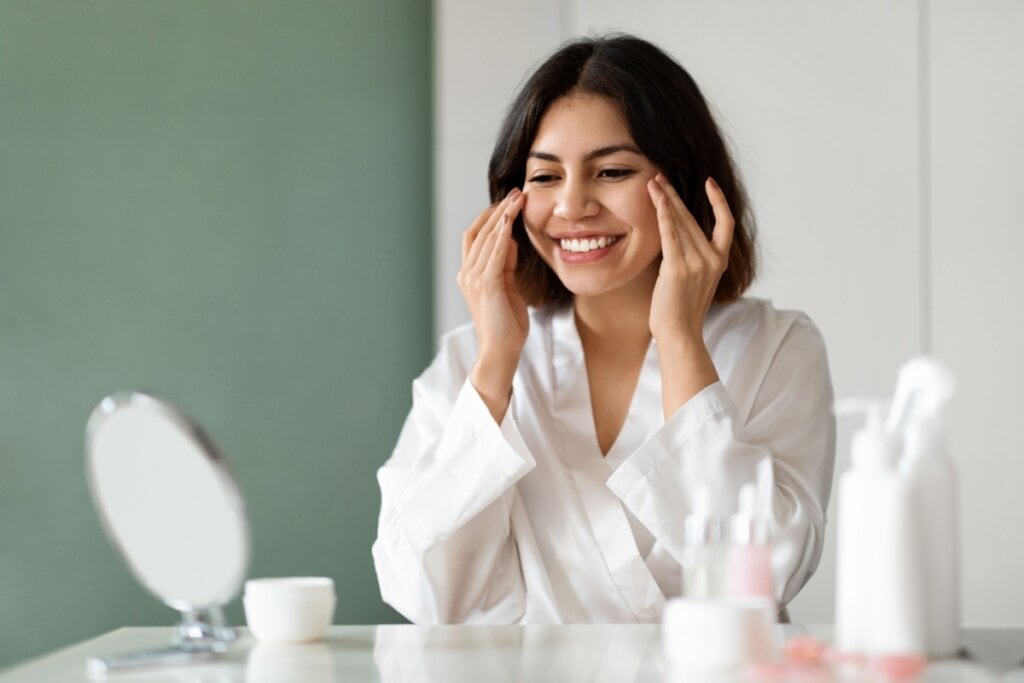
(616, 173)
(542, 178)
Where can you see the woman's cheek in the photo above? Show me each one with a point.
(535, 216)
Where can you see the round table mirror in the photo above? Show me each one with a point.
(170, 506)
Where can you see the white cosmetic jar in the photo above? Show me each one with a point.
(717, 636)
(292, 609)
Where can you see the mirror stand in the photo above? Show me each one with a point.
(202, 634)
(205, 626)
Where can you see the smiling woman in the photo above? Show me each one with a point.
(593, 165)
(612, 376)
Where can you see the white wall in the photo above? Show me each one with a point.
(881, 169)
(977, 217)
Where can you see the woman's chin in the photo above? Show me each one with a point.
(587, 287)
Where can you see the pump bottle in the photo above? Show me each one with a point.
(922, 389)
(878, 597)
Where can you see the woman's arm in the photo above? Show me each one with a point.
(444, 552)
(708, 442)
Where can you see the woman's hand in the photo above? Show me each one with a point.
(690, 269)
(487, 281)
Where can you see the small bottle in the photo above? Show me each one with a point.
(878, 593)
(703, 559)
(749, 559)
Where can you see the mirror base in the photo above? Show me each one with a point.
(202, 635)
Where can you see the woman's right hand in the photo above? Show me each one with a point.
(487, 281)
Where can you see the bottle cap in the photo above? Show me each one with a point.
(744, 527)
(873, 446)
(701, 527)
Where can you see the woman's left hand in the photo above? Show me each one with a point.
(691, 264)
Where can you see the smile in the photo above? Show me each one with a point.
(582, 246)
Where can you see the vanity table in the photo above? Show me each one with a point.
(481, 654)
(142, 453)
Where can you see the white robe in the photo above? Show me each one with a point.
(527, 522)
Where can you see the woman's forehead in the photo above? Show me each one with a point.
(578, 124)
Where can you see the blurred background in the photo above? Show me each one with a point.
(227, 204)
(252, 208)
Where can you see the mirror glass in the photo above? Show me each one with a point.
(167, 501)
(170, 506)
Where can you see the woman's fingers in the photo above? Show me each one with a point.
(674, 244)
(691, 232)
(495, 264)
(469, 236)
(474, 240)
(503, 234)
(724, 221)
(495, 234)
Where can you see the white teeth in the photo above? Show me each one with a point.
(583, 246)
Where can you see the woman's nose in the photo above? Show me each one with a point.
(575, 201)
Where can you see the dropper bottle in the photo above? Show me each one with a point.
(703, 561)
(749, 559)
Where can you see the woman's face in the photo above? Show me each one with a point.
(588, 212)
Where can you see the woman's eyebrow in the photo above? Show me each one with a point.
(597, 153)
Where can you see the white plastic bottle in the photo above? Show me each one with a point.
(923, 388)
(704, 553)
(878, 596)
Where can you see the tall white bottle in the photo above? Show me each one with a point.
(923, 388)
(878, 591)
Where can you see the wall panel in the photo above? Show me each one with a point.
(207, 200)
(977, 249)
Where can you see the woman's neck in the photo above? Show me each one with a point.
(617, 321)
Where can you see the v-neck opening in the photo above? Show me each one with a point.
(630, 407)
(567, 346)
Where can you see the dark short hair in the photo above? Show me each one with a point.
(670, 123)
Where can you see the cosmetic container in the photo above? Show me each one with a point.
(878, 572)
(289, 609)
(708, 632)
(749, 555)
(704, 639)
(923, 388)
(703, 552)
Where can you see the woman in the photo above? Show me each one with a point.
(555, 445)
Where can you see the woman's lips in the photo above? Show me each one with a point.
(574, 254)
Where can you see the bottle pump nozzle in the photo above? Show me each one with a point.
(922, 388)
(873, 445)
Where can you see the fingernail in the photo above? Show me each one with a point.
(713, 183)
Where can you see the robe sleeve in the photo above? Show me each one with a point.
(707, 442)
(444, 551)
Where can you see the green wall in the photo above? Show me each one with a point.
(226, 203)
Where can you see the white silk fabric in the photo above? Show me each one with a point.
(527, 522)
